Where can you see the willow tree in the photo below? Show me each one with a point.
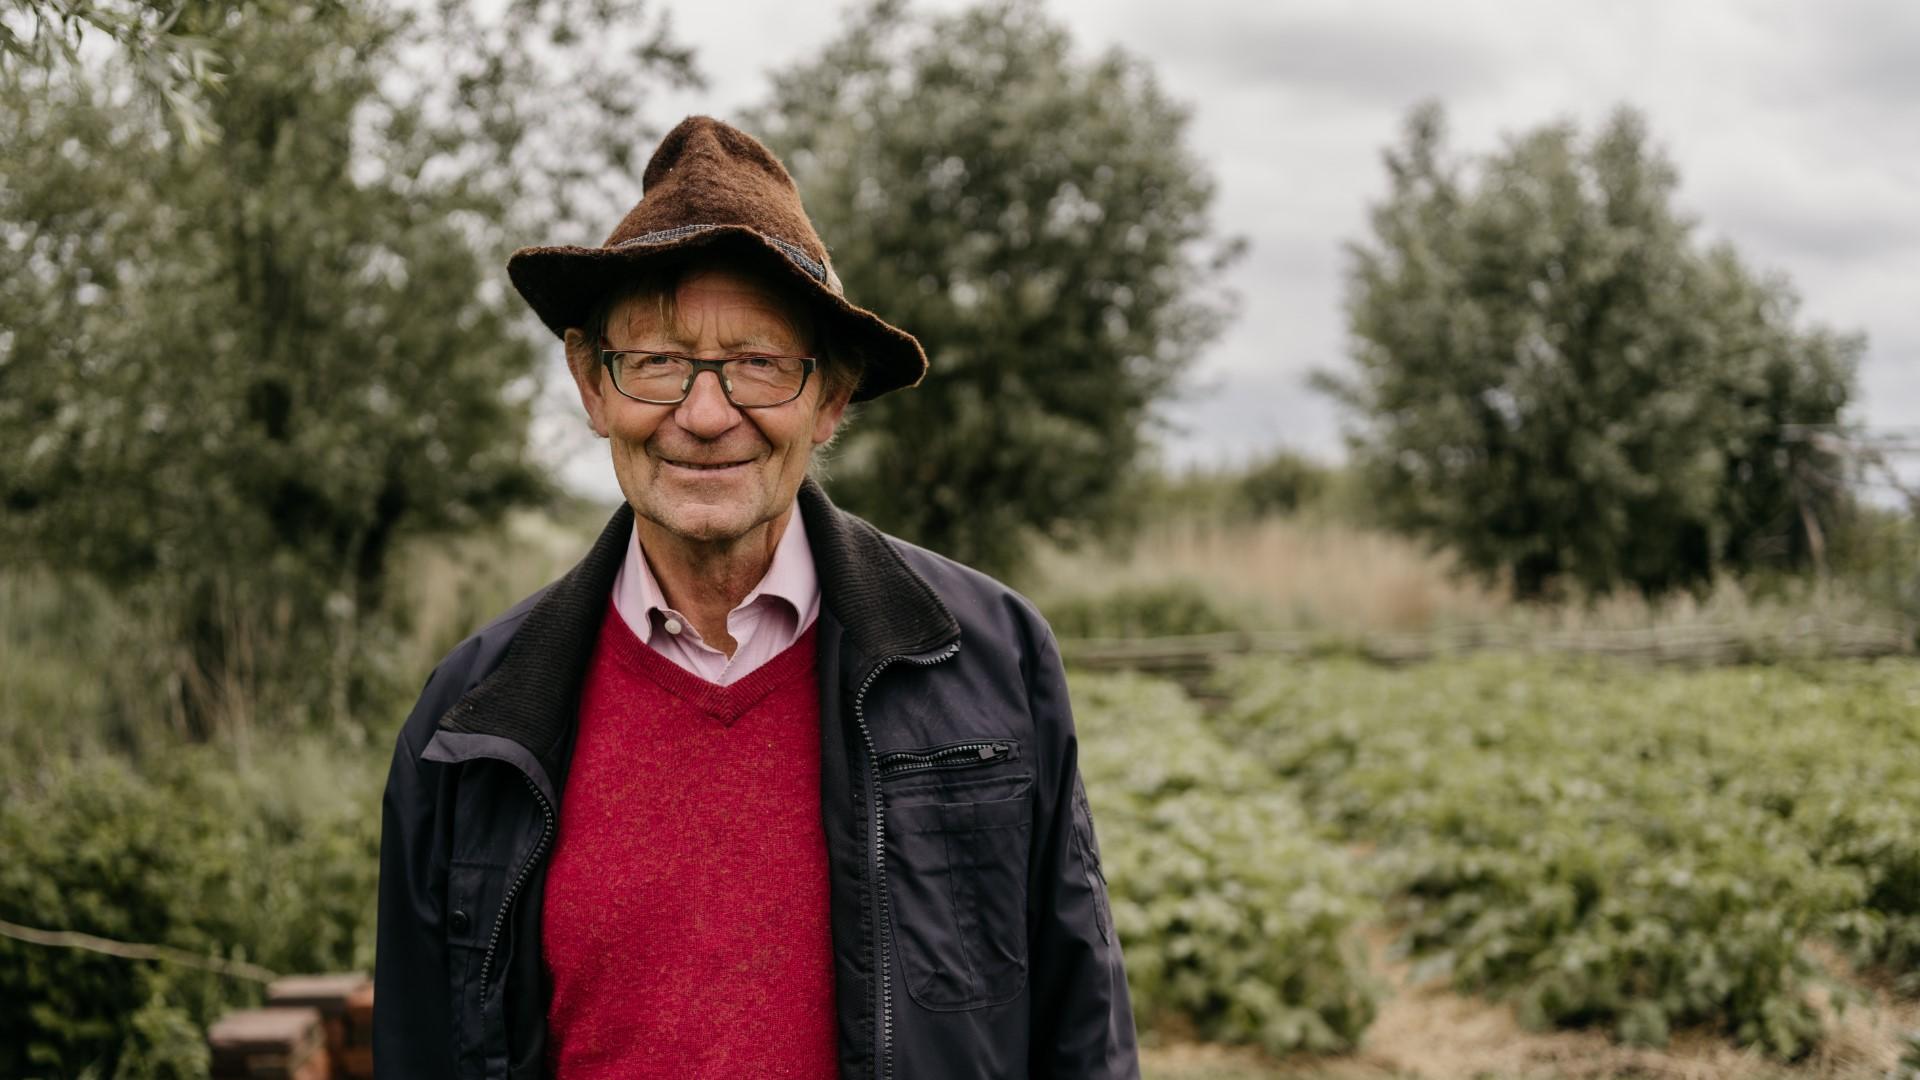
(1553, 377)
(1038, 221)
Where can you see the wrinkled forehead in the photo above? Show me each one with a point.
(709, 304)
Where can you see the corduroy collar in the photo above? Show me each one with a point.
(884, 607)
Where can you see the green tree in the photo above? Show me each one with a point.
(1037, 221)
(233, 376)
(174, 68)
(1553, 378)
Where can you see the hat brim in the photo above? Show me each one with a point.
(563, 283)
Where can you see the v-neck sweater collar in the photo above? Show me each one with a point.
(725, 703)
(882, 606)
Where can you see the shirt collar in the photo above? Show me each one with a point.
(790, 578)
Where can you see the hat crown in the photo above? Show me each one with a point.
(710, 186)
(706, 173)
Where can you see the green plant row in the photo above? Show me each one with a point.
(1238, 922)
(1606, 843)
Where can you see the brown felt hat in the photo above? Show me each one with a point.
(710, 185)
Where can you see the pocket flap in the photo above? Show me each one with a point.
(971, 816)
(961, 816)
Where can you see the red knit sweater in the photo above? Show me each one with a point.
(686, 925)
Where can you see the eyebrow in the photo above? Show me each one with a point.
(752, 341)
(742, 346)
(672, 341)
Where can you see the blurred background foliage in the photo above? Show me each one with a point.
(236, 376)
(167, 62)
(265, 400)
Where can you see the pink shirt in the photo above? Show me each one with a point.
(768, 619)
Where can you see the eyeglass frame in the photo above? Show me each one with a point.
(718, 367)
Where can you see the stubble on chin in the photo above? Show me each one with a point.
(718, 519)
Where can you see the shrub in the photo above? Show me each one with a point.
(274, 862)
(1282, 483)
(1168, 609)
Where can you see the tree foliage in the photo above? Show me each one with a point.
(1037, 222)
(233, 376)
(1555, 379)
(173, 67)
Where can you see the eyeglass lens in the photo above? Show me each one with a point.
(748, 380)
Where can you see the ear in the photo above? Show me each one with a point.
(586, 370)
(826, 418)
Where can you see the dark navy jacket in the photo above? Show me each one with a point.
(971, 931)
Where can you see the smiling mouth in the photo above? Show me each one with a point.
(700, 466)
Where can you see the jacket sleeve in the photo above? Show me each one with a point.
(412, 1023)
(1082, 1015)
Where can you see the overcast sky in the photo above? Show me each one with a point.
(1795, 127)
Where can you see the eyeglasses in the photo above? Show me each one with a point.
(750, 382)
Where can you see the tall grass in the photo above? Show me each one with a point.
(1282, 573)
(1316, 574)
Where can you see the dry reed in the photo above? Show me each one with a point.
(1285, 574)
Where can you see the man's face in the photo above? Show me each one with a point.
(704, 470)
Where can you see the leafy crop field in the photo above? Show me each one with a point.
(1237, 920)
(1641, 848)
(1728, 854)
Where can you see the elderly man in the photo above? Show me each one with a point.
(754, 789)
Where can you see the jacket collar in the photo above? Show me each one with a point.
(884, 606)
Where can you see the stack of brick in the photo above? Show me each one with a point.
(345, 1005)
(269, 1044)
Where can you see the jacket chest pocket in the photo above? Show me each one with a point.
(957, 856)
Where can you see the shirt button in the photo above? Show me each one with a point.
(673, 626)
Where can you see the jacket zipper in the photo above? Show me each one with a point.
(957, 756)
(883, 1042)
(519, 879)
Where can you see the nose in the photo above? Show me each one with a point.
(706, 412)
